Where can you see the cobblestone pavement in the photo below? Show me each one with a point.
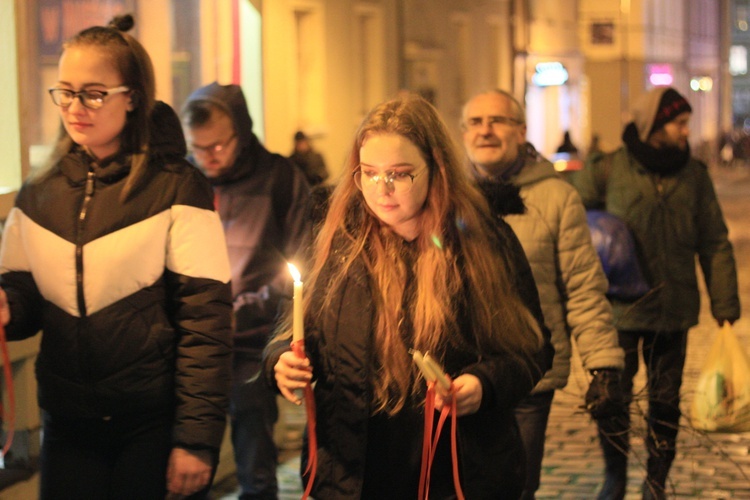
(708, 465)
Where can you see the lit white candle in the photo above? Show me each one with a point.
(298, 330)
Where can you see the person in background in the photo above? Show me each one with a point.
(114, 253)
(262, 200)
(595, 146)
(567, 145)
(310, 161)
(409, 256)
(555, 236)
(667, 200)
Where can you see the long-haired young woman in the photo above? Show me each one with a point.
(409, 257)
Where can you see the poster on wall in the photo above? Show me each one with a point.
(61, 19)
(602, 33)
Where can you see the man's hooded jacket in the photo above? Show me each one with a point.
(262, 201)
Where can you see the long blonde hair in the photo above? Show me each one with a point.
(458, 260)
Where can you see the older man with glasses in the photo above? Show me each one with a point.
(555, 236)
(262, 200)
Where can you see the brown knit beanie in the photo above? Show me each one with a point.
(656, 108)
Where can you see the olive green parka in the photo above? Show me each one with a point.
(674, 219)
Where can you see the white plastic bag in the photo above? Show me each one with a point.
(722, 395)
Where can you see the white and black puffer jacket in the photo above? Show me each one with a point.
(133, 298)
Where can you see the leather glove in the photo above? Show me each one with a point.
(604, 399)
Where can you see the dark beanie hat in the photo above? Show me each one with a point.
(671, 105)
(657, 108)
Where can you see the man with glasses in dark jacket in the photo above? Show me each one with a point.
(261, 198)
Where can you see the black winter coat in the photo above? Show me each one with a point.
(491, 454)
(133, 298)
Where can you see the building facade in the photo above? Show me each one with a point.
(631, 46)
(313, 65)
(319, 65)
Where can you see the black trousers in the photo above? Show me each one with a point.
(123, 457)
(664, 356)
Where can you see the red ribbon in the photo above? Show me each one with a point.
(298, 347)
(8, 373)
(430, 442)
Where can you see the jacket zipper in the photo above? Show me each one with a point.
(663, 253)
(79, 243)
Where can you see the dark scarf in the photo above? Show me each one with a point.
(664, 161)
(504, 198)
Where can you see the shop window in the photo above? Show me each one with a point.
(186, 49)
(369, 45)
(43, 27)
(309, 49)
(10, 138)
(462, 57)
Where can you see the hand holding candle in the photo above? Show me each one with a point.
(298, 329)
(431, 369)
(298, 348)
(428, 375)
(440, 376)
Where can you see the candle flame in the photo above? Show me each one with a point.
(295, 273)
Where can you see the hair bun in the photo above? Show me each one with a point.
(122, 23)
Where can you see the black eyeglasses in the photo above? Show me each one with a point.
(212, 149)
(92, 99)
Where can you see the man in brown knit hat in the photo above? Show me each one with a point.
(667, 199)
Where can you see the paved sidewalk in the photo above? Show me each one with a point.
(708, 465)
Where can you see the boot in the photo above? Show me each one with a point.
(653, 491)
(615, 445)
(660, 444)
(657, 470)
(615, 478)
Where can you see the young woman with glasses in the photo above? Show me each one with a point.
(115, 254)
(409, 257)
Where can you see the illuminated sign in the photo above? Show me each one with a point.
(549, 74)
(660, 75)
(737, 60)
